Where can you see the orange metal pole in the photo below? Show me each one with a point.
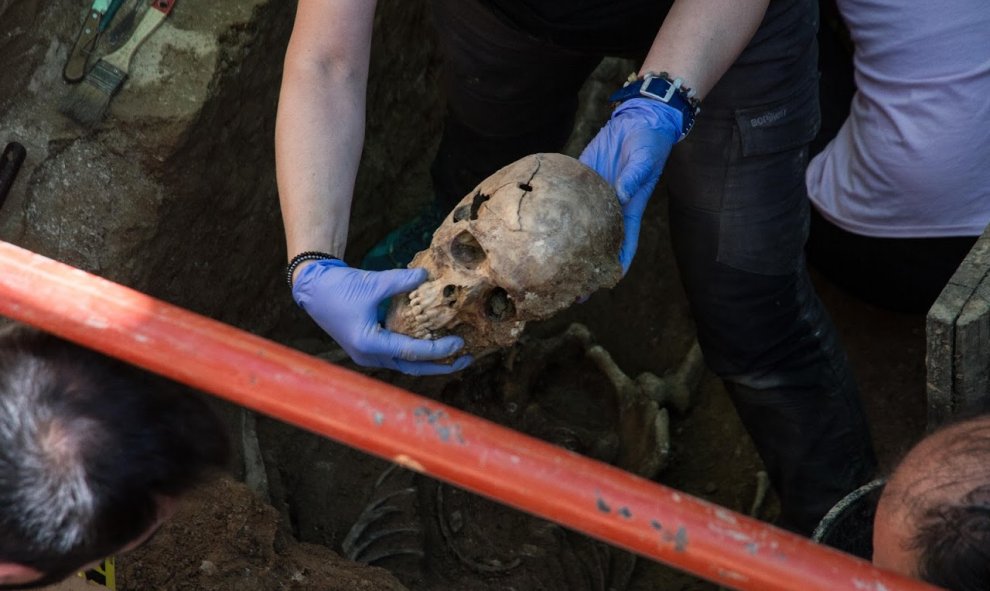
(588, 496)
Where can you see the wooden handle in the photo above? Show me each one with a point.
(149, 22)
(75, 66)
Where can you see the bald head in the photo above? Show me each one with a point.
(933, 519)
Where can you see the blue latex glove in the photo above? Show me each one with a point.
(344, 302)
(630, 153)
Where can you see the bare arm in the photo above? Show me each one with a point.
(319, 135)
(700, 39)
(319, 131)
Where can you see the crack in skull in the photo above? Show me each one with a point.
(495, 264)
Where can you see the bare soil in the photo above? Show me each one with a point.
(319, 488)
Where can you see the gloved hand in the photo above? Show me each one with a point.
(344, 301)
(630, 153)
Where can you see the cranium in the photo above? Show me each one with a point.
(529, 241)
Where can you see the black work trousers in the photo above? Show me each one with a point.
(738, 215)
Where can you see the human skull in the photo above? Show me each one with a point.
(529, 241)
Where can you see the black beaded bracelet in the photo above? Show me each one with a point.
(309, 255)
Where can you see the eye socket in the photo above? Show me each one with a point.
(499, 306)
(466, 251)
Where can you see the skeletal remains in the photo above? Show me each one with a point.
(529, 241)
(411, 522)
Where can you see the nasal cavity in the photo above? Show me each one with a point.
(499, 306)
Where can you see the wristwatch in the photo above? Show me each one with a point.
(661, 87)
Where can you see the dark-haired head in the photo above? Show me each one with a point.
(92, 452)
(933, 520)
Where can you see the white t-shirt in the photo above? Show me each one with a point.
(913, 158)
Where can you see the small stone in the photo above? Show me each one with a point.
(456, 521)
(208, 568)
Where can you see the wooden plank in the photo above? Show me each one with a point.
(971, 375)
(958, 340)
(940, 328)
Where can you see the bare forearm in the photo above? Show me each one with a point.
(700, 39)
(318, 138)
(319, 132)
